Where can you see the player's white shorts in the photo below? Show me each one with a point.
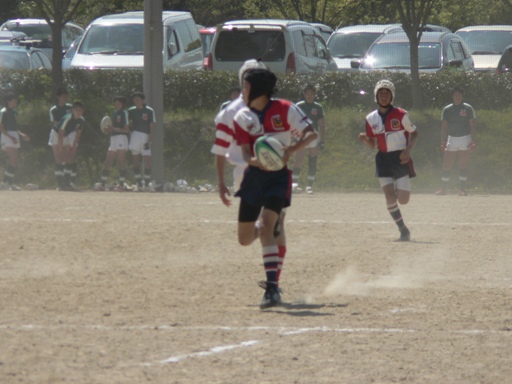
(54, 138)
(403, 183)
(460, 143)
(137, 142)
(118, 143)
(68, 140)
(315, 142)
(6, 141)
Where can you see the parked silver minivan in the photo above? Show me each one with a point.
(285, 46)
(117, 42)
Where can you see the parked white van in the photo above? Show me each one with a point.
(285, 46)
(117, 42)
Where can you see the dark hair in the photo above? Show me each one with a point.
(139, 94)
(62, 91)
(236, 88)
(9, 96)
(310, 87)
(78, 104)
(457, 89)
(263, 83)
(121, 99)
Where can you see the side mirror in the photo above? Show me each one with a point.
(355, 64)
(322, 54)
(173, 49)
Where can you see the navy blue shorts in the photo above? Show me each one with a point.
(388, 165)
(258, 186)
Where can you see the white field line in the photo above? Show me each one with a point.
(283, 331)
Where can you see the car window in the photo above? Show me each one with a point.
(321, 48)
(35, 60)
(69, 34)
(14, 60)
(206, 41)
(172, 42)
(195, 39)
(240, 45)
(310, 44)
(456, 48)
(114, 39)
(486, 42)
(397, 55)
(298, 39)
(45, 60)
(352, 45)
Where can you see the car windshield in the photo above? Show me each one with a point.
(125, 39)
(351, 45)
(486, 42)
(14, 60)
(240, 45)
(397, 55)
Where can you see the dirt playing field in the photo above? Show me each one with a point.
(153, 288)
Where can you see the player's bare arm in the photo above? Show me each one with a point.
(444, 134)
(220, 164)
(405, 156)
(307, 136)
(370, 142)
(321, 126)
(248, 157)
(473, 134)
(24, 136)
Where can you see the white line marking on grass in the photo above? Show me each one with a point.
(212, 351)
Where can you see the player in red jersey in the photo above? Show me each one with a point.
(260, 188)
(390, 130)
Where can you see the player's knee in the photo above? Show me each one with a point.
(403, 198)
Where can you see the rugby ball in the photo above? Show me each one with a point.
(105, 123)
(269, 152)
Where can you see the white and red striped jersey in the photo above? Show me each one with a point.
(391, 130)
(225, 143)
(280, 119)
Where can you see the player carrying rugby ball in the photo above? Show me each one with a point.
(270, 190)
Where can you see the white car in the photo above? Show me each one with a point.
(117, 42)
(285, 46)
(486, 43)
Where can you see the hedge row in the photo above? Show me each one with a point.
(207, 90)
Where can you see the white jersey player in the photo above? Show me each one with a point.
(225, 146)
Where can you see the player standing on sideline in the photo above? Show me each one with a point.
(315, 112)
(119, 132)
(260, 188)
(234, 93)
(390, 130)
(70, 130)
(226, 149)
(457, 139)
(10, 140)
(57, 112)
(142, 121)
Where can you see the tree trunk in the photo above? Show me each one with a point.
(57, 54)
(417, 101)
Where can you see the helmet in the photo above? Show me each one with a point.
(263, 83)
(249, 64)
(384, 84)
